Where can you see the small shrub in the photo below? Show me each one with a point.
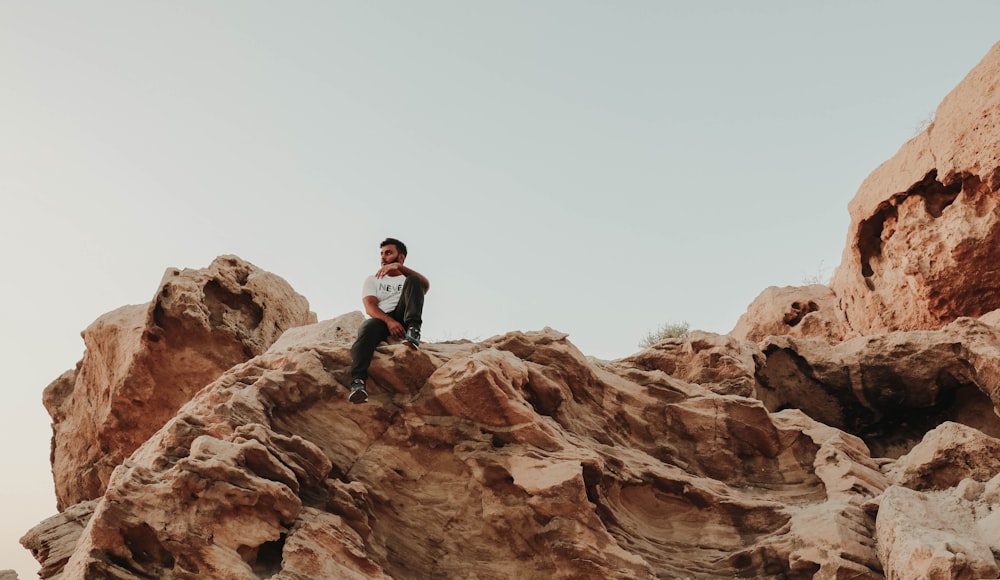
(820, 277)
(924, 124)
(667, 330)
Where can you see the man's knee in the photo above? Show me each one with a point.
(372, 328)
(412, 281)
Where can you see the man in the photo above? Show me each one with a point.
(394, 302)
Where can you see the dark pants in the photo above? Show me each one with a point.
(373, 331)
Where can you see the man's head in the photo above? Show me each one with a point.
(392, 250)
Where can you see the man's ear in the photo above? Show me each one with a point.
(402, 258)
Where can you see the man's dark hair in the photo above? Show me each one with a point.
(400, 246)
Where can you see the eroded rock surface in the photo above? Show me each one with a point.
(950, 453)
(923, 246)
(511, 455)
(721, 363)
(53, 541)
(941, 519)
(799, 311)
(950, 533)
(143, 362)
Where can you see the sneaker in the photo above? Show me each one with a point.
(358, 392)
(413, 336)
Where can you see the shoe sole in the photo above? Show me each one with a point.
(358, 397)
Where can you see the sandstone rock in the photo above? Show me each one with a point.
(52, 541)
(889, 389)
(8, 575)
(947, 455)
(991, 318)
(341, 330)
(830, 537)
(143, 362)
(800, 311)
(323, 545)
(721, 363)
(942, 534)
(488, 459)
(924, 240)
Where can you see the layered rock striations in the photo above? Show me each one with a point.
(841, 431)
(514, 457)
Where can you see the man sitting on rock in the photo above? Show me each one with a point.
(394, 302)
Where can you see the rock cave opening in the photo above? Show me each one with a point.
(265, 559)
(798, 311)
(901, 428)
(221, 301)
(147, 552)
(936, 196)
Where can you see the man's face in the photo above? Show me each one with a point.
(390, 255)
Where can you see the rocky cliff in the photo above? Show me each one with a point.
(848, 431)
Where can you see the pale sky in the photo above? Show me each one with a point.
(597, 167)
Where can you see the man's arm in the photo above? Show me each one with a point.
(396, 269)
(371, 308)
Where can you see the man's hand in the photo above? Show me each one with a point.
(395, 328)
(397, 269)
(371, 307)
(393, 269)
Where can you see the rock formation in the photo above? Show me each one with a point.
(941, 519)
(849, 431)
(923, 246)
(143, 362)
(800, 311)
(514, 455)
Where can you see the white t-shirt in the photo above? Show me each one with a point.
(387, 290)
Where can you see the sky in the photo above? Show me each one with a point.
(597, 167)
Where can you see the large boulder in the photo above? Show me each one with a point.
(143, 362)
(950, 533)
(948, 454)
(941, 518)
